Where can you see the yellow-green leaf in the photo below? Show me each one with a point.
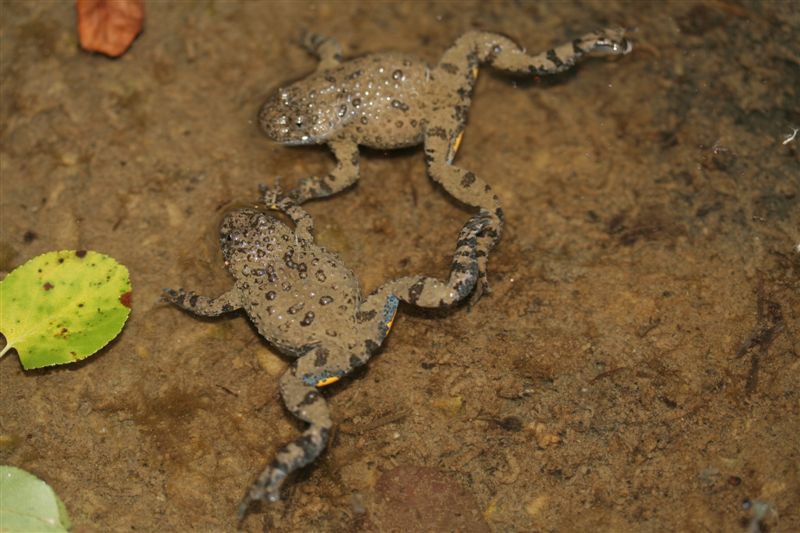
(28, 504)
(62, 307)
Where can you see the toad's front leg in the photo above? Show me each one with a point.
(344, 175)
(203, 305)
(274, 199)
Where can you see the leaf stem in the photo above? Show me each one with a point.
(6, 348)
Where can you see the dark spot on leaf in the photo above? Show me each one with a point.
(47, 286)
(81, 253)
(126, 299)
(29, 237)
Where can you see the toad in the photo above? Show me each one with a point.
(393, 100)
(307, 304)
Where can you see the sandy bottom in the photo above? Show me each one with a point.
(634, 368)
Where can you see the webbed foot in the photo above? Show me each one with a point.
(273, 196)
(326, 49)
(481, 286)
(172, 296)
(267, 488)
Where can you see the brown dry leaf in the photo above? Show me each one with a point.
(109, 26)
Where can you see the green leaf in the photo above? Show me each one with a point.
(62, 307)
(29, 504)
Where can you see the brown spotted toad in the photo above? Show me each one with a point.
(392, 100)
(309, 305)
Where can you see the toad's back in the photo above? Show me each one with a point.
(299, 294)
(376, 100)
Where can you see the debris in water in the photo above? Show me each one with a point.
(790, 138)
(109, 26)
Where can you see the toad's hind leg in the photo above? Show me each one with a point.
(305, 402)
(458, 66)
(440, 146)
(428, 292)
(453, 79)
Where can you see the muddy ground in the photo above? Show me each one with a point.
(634, 369)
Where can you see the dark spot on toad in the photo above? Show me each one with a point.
(308, 319)
(81, 253)
(468, 179)
(450, 68)
(47, 286)
(397, 104)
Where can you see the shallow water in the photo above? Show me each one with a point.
(635, 367)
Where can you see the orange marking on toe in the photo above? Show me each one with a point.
(327, 381)
(456, 144)
(390, 323)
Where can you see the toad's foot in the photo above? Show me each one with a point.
(276, 200)
(432, 293)
(344, 175)
(326, 49)
(273, 196)
(486, 240)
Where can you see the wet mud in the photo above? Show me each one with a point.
(635, 367)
